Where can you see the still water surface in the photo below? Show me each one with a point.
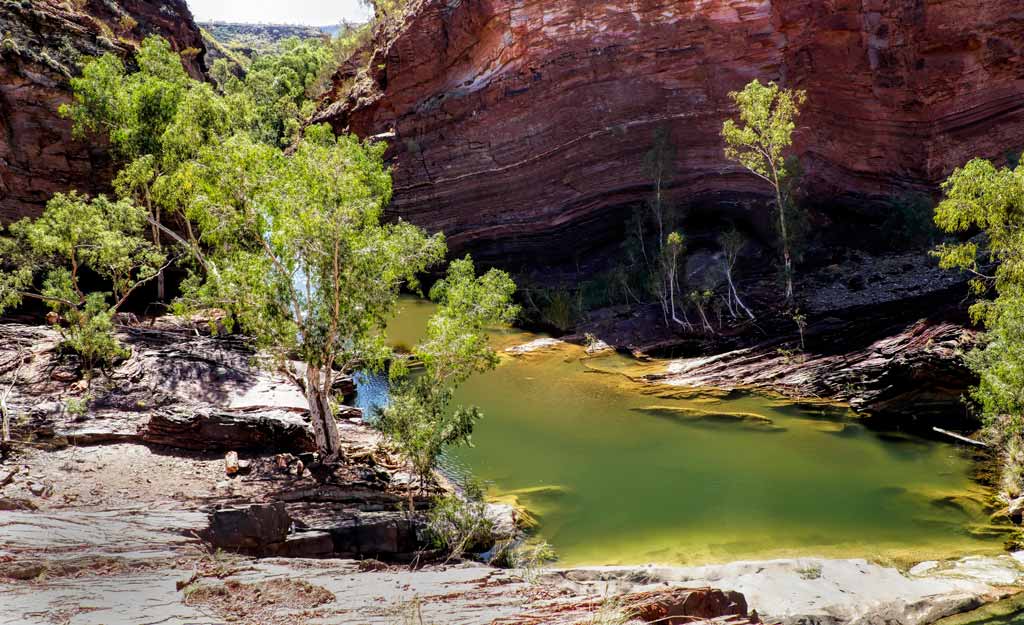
(621, 472)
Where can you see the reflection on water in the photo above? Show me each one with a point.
(622, 472)
(371, 392)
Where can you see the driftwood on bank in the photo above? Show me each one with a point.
(960, 437)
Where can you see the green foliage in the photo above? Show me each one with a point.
(460, 526)
(160, 111)
(277, 85)
(386, 10)
(76, 407)
(297, 253)
(759, 142)
(999, 362)
(980, 195)
(559, 308)
(160, 121)
(420, 418)
(765, 132)
(90, 333)
(242, 43)
(528, 557)
(134, 109)
(74, 235)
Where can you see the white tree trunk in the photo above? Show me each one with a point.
(325, 427)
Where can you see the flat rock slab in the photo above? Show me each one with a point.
(210, 429)
(832, 592)
(848, 592)
(135, 533)
(176, 389)
(148, 598)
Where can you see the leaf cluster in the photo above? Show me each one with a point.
(765, 130)
(419, 417)
(981, 196)
(75, 236)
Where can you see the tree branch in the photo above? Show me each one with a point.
(128, 293)
(47, 298)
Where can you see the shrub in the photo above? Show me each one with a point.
(460, 526)
(910, 222)
(72, 235)
(127, 22)
(527, 557)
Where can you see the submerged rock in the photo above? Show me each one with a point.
(536, 345)
(713, 418)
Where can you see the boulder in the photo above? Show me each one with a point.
(379, 535)
(681, 606)
(254, 528)
(210, 429)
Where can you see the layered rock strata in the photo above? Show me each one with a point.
(41, 45)
(520, 127)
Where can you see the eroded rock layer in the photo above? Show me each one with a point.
(41, 44)
(521, 125)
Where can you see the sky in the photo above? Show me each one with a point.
(311, 12)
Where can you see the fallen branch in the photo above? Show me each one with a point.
(960, 438)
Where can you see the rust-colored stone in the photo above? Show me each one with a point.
(39, 44)
(521, 124)
(683, 606)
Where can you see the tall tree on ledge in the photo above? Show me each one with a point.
(759, 142)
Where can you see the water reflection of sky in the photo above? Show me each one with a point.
(371, 392)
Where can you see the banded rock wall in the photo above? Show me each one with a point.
(520, 125)
(41, 43)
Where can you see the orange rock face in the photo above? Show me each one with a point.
(521, 124)
(40, 44)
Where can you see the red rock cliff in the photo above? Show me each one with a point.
(40, 41)
(521, 124)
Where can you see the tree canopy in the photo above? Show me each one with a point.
(759, 142)
(991, 199)
(292, 245)
(420, 418)
(75, 235)
(298, 254)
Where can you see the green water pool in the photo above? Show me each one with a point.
(619, 471)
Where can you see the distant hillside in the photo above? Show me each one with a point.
(240, 42)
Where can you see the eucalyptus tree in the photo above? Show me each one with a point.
(675, 246)
(659, 164)
(420, 418)
(155, 118)
(759, 142)
(294, 248)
